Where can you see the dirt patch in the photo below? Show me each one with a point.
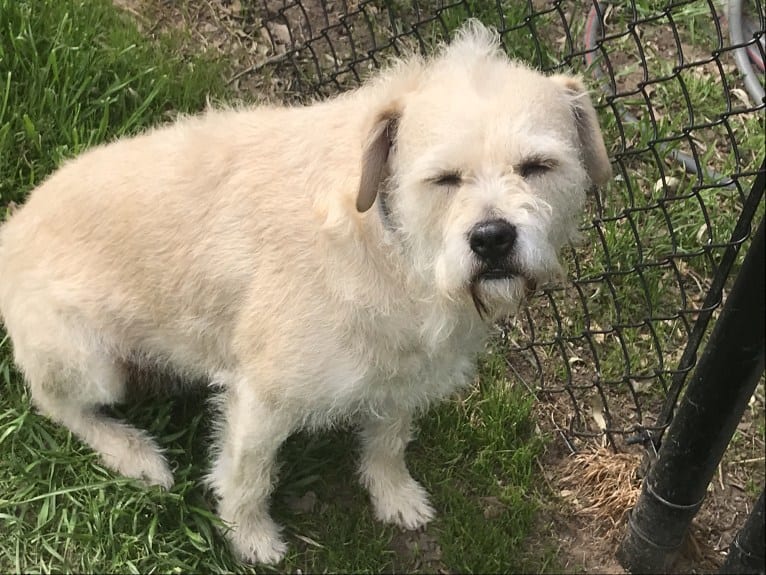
(592, 489)
(417, 551)
(225, 27)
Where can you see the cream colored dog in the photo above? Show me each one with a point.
(340, 261)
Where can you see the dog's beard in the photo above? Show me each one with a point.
(506, 273)
(481, 307)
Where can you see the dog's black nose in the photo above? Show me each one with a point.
(492, 240)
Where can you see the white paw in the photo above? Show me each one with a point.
(158, 476)
(145, 464)
(257, 541)
(406, 506)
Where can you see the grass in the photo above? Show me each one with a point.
(74, 74)
(62, 511)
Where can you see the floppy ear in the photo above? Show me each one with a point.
(591, 141)
(374, 160)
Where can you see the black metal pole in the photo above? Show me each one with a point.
(710, 410)
(746, 552)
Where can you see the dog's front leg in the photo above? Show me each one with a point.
(243, 473)
(396, 497)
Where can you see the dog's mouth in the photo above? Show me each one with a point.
(496, 274)
(506, 273)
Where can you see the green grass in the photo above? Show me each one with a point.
(75, 74)
(61, 510)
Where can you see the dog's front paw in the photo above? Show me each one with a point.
(406, 506)
(257, 541)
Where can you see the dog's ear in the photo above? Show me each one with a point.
(375, 159)
(594, 152)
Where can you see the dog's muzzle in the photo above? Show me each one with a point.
(493, 242)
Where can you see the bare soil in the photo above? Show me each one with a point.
(592, 489)
(585, 519)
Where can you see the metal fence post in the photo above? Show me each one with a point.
(746, 553)
(715, 400)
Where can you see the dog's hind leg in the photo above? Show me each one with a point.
(69, 383)
(396, 497)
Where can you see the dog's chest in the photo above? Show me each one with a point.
(388, 363)
(421, 363)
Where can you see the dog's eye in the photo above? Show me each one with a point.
(534, 167)
(448, 179)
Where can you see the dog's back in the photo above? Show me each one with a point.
(147, 249)
(153, 239)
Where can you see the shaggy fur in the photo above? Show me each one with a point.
(314, 263)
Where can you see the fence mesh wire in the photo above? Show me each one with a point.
(611, 349)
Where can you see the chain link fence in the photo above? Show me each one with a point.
(679, 88)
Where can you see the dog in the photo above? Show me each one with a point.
(336, 262)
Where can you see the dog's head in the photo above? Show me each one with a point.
(480, 171)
